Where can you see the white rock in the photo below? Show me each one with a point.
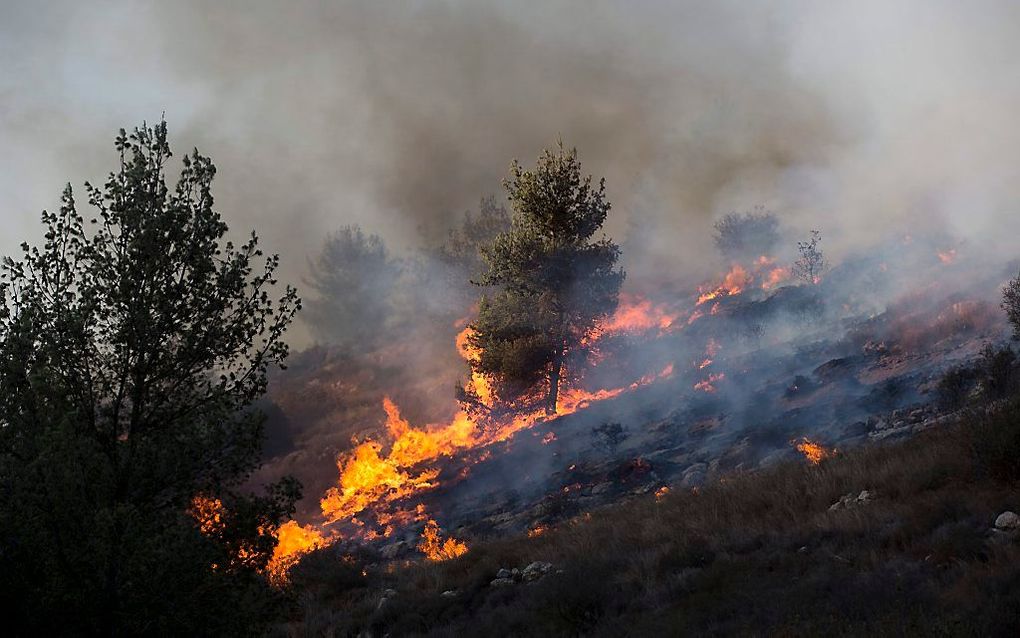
(1007, 521)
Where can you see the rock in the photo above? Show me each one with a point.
(535, 570)
(392, 550)
(386, 596)
(503, 573)
(449, 593)
(1007, 521)
(851, 500)
(515, 573)
(501, 582)
(601, 488)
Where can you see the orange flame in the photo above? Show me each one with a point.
(437, 550)
(637, 314)
(812, 451)
(708, 385)
(292, 542)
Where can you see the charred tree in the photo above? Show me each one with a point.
(552, 282)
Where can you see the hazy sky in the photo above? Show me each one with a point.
(853, 117)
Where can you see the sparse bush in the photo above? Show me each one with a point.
(996, 443)
(748, 235)
(608, 437)
(997, 368)
(811, 265)
(954, 387)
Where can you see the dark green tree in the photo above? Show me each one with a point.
(355, 278)
(131, 349)
(553, 282)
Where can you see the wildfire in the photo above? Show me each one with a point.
(812, 451)
(947, 257)
(208, 512)
(637, 314)
(548, 438)
(435, 549)
(292, 542)
(763, 272)
(708, 385)
(661, 492)
(733, 283)
(537, 530)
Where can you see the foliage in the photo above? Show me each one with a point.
(131, 351)
(354, 277)
(748, 235)
(553, 282)
(811, 265)
(462, 250)
(1011, 303)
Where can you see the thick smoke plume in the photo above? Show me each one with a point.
(856, 119)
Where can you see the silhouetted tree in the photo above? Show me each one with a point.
(354, 278)
(553, 282)
(748, 235)
(131, 350)
(811, 265)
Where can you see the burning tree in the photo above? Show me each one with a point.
(1011, 303)
(554, 283)
(132, 350)
(812, 264)
(748, 235)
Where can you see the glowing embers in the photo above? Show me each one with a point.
(436, 549)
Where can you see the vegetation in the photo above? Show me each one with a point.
(354, 277)
(131, 351)
(811, 265)
(759, 553)
(1011, 303)
(553, 282)
(747, 236)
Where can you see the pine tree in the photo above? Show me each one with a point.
(553, 282)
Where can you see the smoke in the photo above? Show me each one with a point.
(859, 119)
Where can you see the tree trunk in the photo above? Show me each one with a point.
(554, 383)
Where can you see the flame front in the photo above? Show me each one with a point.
(435, 548)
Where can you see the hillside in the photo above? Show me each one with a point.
(752, 553)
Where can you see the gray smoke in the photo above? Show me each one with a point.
(862, 119)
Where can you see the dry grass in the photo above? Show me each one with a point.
(753, 554)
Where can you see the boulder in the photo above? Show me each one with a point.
(1007, 522)
(501, 582)
(535, 570)
(503, 573)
